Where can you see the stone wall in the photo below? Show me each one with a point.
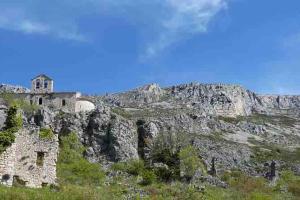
(30, 159)
(65, 101)
(3, 109)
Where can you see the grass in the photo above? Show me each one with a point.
(73, 168)
(241, 187)
(263, 152)
(78, 179)
(46, 133)
(261, 119)
(122, 112)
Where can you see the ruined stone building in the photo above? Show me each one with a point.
(31, 160)
(42, 94)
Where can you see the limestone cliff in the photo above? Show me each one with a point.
(212, 99)
(225, 122)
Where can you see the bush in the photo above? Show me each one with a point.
(169, 158)
(13, 123)
(6, 139)
(11, 101)
(72, 168)
(119, 166)
(294, 187)
(247, 184)
(133, 167)
(46, 133)
(190, 162)
(149, 177)
(14, 120)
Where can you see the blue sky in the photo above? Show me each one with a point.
(99, 46)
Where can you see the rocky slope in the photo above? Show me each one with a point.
(234, 126)
(210, 99)
(13, 89)
(226, 122)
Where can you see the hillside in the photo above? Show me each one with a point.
(204, 136)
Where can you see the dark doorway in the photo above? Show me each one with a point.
(63, 102)
(40, 101)
(40, 159)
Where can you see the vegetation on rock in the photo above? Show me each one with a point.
(26, 107)
(46, 133)
(13, 124)
(73, 168)
(190, 162)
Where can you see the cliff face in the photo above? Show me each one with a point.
(13, 89)
(109, 137)
(212, 99)
(225, 122)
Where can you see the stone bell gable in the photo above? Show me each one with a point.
(42, 84)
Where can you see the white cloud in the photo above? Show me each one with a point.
(23, 20)
(187, 17)
(166, 21)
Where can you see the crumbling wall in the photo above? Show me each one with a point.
(31, 160)
(65, 101)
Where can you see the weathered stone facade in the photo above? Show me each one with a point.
(42, 94)
(42, 84)
(65, 101)
(30, 160)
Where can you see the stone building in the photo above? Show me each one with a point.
(42, 94)
(30, 160)
(42, 84)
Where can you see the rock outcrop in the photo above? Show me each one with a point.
(13, 89)
(211, 99)
(3, 110)
(107, 136)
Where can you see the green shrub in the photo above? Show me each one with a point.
(122, 112)
(13, 124)
(169, 158)
(246, 184)
(14, 120)
(290, 181)
(46, 133)
(6, 139)
(133, 167)
(72, 168)
(11, 101)
(190, 162)
(149, 177)
(294, 187)
(119, 166)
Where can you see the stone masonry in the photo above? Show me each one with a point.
(30, 160)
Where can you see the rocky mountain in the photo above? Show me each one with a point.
(209, 99)
(227, 123)
(13, 89)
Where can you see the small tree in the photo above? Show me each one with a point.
(14, 120)
(189, 162)
(13, 123)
